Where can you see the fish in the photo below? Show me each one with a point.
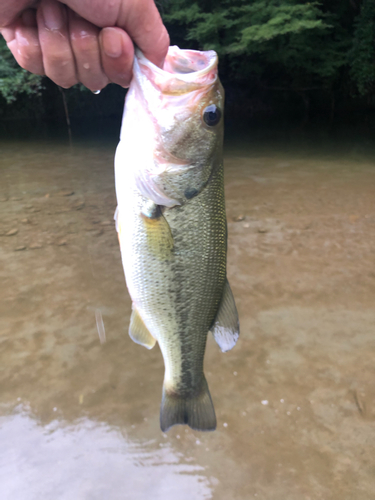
(171, 224)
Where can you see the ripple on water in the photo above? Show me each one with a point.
(89, 460)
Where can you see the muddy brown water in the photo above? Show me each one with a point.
(79, 417)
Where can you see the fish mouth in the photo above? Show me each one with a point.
(190, 63)
(183, 70)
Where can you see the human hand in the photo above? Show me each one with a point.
(87, 41)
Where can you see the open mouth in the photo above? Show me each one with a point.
(183, 62)
(184, 66)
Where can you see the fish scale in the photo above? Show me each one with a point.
(201, 263)
(174, 254)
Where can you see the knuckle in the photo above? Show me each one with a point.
(64, 81)
(58, 58)
(60, 67)
(84, 41)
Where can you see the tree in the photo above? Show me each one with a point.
(362, 54)
(318, 50)
(15, 80)
(294, 42)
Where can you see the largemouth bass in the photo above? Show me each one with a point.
(172, 226)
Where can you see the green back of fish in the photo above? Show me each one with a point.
(199, 263)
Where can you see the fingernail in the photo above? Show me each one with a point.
(53, 16)
(112, 42)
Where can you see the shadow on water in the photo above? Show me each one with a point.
(294, 400)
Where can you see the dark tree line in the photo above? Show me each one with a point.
(323, 48)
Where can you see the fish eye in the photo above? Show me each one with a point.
(211, 115)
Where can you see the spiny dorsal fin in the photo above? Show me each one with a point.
(226, 327)
(138, 331)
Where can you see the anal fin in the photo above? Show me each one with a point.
(138, 331)
(226, 327)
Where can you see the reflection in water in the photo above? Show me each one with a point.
(89, 460)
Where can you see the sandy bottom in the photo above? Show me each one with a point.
(79, 411)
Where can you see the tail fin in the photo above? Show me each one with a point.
(197, 412)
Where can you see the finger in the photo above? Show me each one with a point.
(140, 19)
(23, 41)
(29, 18)
(29, 53)
(84, 38)
(117, 52)
(9, 11)
(9, 35)
(58, 58)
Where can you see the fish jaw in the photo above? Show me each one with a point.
(163, 134)
(183, 70)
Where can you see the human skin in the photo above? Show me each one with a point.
(86, 41)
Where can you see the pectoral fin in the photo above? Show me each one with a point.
(226, 328)
(151, 210)
(138, 331)
(157, 230)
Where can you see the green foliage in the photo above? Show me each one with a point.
(15, 80)
(362, 55)
(241, 26)
(296, 39)
(263, 45)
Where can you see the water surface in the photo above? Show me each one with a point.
(79, 412)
